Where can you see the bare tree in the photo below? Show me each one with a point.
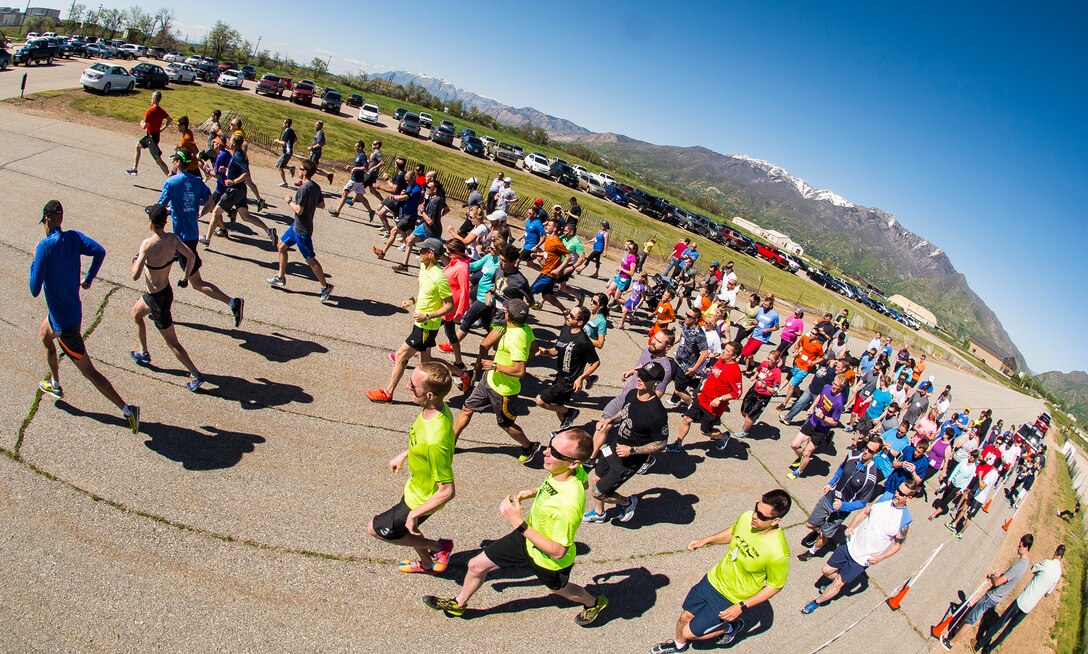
(75, 14)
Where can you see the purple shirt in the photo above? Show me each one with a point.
(831, 405)
(937, 452)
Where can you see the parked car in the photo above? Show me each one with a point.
(156, 51)
(92, 50)
(207, 72)
(130, 49)
(442, 134)
(449, 123)
(287, 83)
(369, 113)
(465, 132)
(171, 57)
(425, 119)
(180, 73)
(213, 61)
(704, 227)
(303, 93)
(194, 60)
(536, 163)
(354, 100)
(399, 113)
(249, 72)
(561, 172)
(230, 78)
(489, 141)
(473, 145)
(224, 66)
(503, 153)
(578, 170)
(639, 199)
(409, 124)
(793, 264)
(677, 216)
(605, 178)
(520, 151)
(35, 51)
(615, 194)
(270, 84)
(771, 254)
(5, 57)
(737, 241)
(150, 75)
(332, 101)
(594, 187)
(107, 77)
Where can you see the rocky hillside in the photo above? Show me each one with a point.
(1071, 388)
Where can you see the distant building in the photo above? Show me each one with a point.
(995, 356)
(13, 16)
(915, 310)
(774, 238)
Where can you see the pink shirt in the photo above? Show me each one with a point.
(457, 274)
(793, 328)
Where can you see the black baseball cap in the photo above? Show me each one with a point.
(157, 213)
(51, 208)
(651, 372)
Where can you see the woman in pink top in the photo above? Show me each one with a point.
(926, 427)
(456, 272)
(791, 331)
(622, 280)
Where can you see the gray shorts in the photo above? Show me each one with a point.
(975, 613)
(483, 397)
(826, 519)
(284, 159)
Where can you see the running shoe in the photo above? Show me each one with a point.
(592, 516)
(950, 526)
(132, 171)
(49, 388)
(645, 467)
(326, 293)
(133, 418)
(959, 536)
(447, 605)
(237, 308)
(945, 643)
(792, 474)
(371, 216)
(721, 444)
(384, 233)
(221, 232)
(740, 434)
(141, 358)
(796, 463)
(414, 567)
(334, 213)
(194, 384)
(379, 395)
(349, 201)
(442, 556)
(528, 453)
(669, 647)
(589, 614)
(810, 607)
(568, 419)
(804, 556)
(675, 448)
(466, 380)
(393, 357)
(261, 204)
(810, 539)
(203, 240)
(590, 381)
(330, 178)
(277, 281)
(537, 306)
(445, 347)
(628, 512)
(734, 629)
(182, 283)
(672, 402)
(273, 236)
(284, 185)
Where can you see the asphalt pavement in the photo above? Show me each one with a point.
(236, 520)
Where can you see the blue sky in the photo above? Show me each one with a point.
(966, 122)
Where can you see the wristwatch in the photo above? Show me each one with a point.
(522, 527)
(742, 606)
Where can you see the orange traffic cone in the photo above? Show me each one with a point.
(986, 506)
(1008, 523)
(895, 600)
(939, 629)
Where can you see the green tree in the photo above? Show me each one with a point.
(136, 19)
(111, 20)
(319, 66)
(163, 24)
(221, 38)
(75, 15)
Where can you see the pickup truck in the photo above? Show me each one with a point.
(739, 242)
(303, 93)
(771, 253)
(425, 120)
(35, 51)
(270, 84)
(503, 153)
(638, 199)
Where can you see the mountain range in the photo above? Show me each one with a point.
(865, 241)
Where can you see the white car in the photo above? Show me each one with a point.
(181, 73)
(605, 179)
(579, 170)
(369, 113)
(194, 60)
(537, 163)
(231, 78)
(132, 49)
(172, 57)
(107, 77)
(489, 142)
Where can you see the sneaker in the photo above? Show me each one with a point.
(672, 402)
(590, 381)
(393, 357)
(950, 527)
(589, 614)
(49, 388)
(378, 395)
(810, 607)
(810, 539)
(194, 384)
(527, 453)
(792, 474)
(237, 308)
(628, 512)
(261, 204)
(592, 516)
(141, 358)
(132, 171)
(334, 213)
(740, 434)
(782, 419)
(182, 283)
(370, 217)
(466, 380)
(722, 444)
(447, 605)
(959, 536)
(736, 628)
(442, 556)
(291, 169)
(568, 419)
(944, 642)
(414, 567)
(133, 418)
(804, 556)
(284, 185)
(537, 306)
(203, 240)
(273, 236)
(221, 232)
(796, 463)
(349, 201)
(669, 647)
(326, 293)
(645, 467)
(849, 430)
(330, 178)
(277, 281)
(384, 233)
(445, 347)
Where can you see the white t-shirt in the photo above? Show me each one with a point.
(728, 296)
(476, 248)
(876, 532)
(983, 495)
(873, 345)
(713, 346)
(899, 396)
(1044, 578)
(727, 276)
(1010, 455)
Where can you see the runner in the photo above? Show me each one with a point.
(647, 248)
(723, 384)
(306, 201)
(1045, 576)
(807, 353)
(432, 301)
(356, 181)
(848, 490)
(457, 274)
(1001, 584)
(430, 225)
(544, 542)
(188, 142)
(657, 350)
(187, 197)
(984, 485)
(390, 206)
(624, 442)
(509, 284)
(483, 307)
(638, 294)
(690, 356)
(752, 571)
(952, 490)
(156, 302)
(498, 390)
(575, 253)
(791, 331)
(286, 141)
(757, 398)
(56, 270)
(410, 200)
(816, 431)
(533, 235)
(767, 323)
(552, 253)
(597, 327)
(663, 314)
(677, 255)
(875, 534)
(430, 484)
(621, 281)
(600, 246)
(234, 198)
(154, 121)
(316, 147)
(577, 360)
(251, 184)
(373, 174)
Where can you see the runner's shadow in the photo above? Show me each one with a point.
(662, 506)
(679, 465)
(734, 449)
(275, 347)
(263, 263)
(256, 394)
(763, 431)
(817, 467)
(366, 306)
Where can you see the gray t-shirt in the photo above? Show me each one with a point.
(308, 196)
(1013, 574)
(319, 141)
(475, 198)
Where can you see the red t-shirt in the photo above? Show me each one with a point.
(678, 249)
(767, 378)
(723, 380)
(154, 118)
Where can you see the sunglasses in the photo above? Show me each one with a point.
(902, 494)
(872, 451)
(764, 518)
(555, 454)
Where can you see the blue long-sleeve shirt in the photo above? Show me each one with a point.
(534, 231)
(56, 267)
(857, 487)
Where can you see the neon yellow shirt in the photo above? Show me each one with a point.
(513, 346)
(557, 513)
(753, 561)
(430, 457)
(433, 288)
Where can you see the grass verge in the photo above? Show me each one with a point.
(1072, 621)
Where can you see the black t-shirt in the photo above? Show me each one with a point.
(433, 209)
(828, 328)
(575, 353)
(308, 196)
(288, 139)
(824, 376)
(508, 287)
(640, 423)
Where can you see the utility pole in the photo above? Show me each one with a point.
(257, 47)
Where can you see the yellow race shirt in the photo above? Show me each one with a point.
(753, 561)
(430, 456)
(513, 346)
(557, 513)
(433, 288)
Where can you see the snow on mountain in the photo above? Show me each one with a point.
(779, 174)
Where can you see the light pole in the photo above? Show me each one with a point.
(256, 47)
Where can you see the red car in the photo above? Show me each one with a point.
(303, 93)
(771, 253)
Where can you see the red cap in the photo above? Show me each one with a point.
(421, 180)
(538, 201)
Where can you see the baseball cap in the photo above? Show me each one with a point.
(715, 264)
(507, 180)
(651, 372)
(557, 206)
(517, 310)
(51, 208)
(432, 244)
(605, 224)
(421, 180)
(157, 213)
(538, 202)
(182, 155)
(498, 214)
(472, 181)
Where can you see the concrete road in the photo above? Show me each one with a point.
(236, 519)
